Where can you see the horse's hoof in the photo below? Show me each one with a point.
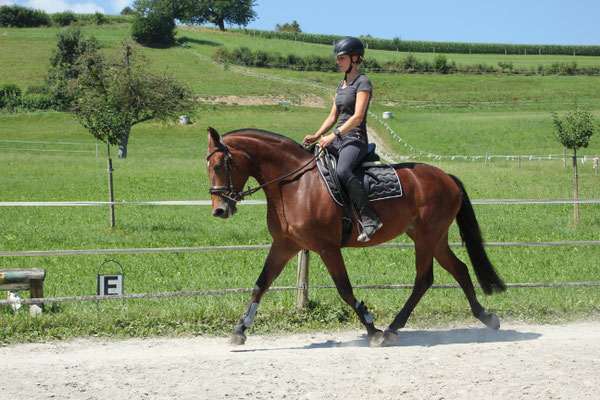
(492, 321)
(390, 337)
(376, 339)
(237, 339)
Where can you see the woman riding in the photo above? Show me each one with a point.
(349, 139)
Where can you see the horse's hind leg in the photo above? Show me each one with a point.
(458, 269)
(281, 252)
(423, 281)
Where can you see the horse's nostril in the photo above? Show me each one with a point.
(218, 212)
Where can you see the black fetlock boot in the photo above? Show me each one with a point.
(370, 220)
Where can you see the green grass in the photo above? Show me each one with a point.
(476, 132)
(167, 162)
(210, 37)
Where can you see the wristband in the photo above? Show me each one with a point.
(337, 133)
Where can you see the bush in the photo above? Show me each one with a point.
(223, 55)
(154, 29)
(440, 63)
(100, 19)
(9, 95)
(64, 18)
(22, 17)
(37, 101)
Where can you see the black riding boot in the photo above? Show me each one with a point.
(370, 221)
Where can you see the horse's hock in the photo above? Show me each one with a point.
(32, 279)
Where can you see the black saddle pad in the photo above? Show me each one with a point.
(380, 181)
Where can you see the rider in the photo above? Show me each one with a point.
(349, 139)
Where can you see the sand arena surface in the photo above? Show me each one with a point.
(465, 362)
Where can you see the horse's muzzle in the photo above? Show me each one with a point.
(224, 210)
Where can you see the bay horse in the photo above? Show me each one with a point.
(302, 215)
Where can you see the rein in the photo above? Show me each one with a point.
(229, 191)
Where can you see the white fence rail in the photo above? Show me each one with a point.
(254, 202)
(302, 286)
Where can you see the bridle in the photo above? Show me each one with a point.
(229, 192)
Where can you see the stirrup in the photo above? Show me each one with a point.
(368, 231)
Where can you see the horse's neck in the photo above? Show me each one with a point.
(271, 159)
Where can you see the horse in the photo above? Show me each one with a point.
(300, 209)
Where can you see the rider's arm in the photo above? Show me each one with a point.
(329, 121)
(327, 125)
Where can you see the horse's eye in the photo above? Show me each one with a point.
(218, 166)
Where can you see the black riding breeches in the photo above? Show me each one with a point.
(349, 157)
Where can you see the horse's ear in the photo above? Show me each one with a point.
(214, 135)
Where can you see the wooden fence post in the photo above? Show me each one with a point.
(302, 282)
(111, 195)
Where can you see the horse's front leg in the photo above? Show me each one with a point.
(337, 269)
(281, 252)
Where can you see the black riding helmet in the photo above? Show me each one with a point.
(348, 45)
(351, 46)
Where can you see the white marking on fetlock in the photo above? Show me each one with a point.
(368, 316)
(251, 314)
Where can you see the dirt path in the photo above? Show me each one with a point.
(306, 100)
(469, 362)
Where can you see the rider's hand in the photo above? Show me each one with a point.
(310, 139)
(327, 140)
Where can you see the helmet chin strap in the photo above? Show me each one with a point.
(349, 68)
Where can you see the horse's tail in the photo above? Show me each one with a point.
(471, 236)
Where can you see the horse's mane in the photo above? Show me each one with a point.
(272, 135)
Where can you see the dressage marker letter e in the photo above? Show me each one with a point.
(110, 285)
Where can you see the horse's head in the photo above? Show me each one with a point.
(226, 177)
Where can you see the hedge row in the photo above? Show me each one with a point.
(15, 16)
(413, 46)
(408, 64)
(12, 98)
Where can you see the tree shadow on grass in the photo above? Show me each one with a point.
(185, 40)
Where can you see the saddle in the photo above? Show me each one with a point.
(380, 181)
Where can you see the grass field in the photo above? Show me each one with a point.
(166, 162)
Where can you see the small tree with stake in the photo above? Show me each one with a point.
(113, 94)
(574, 133)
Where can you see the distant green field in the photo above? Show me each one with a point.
(49, 157)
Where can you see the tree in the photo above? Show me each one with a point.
(287, 27)
(127, 11)
(154, 28)
(175, 9)
(196, 12)
(573, 133)
(114, 94)
(70, 45)
(218, 12)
